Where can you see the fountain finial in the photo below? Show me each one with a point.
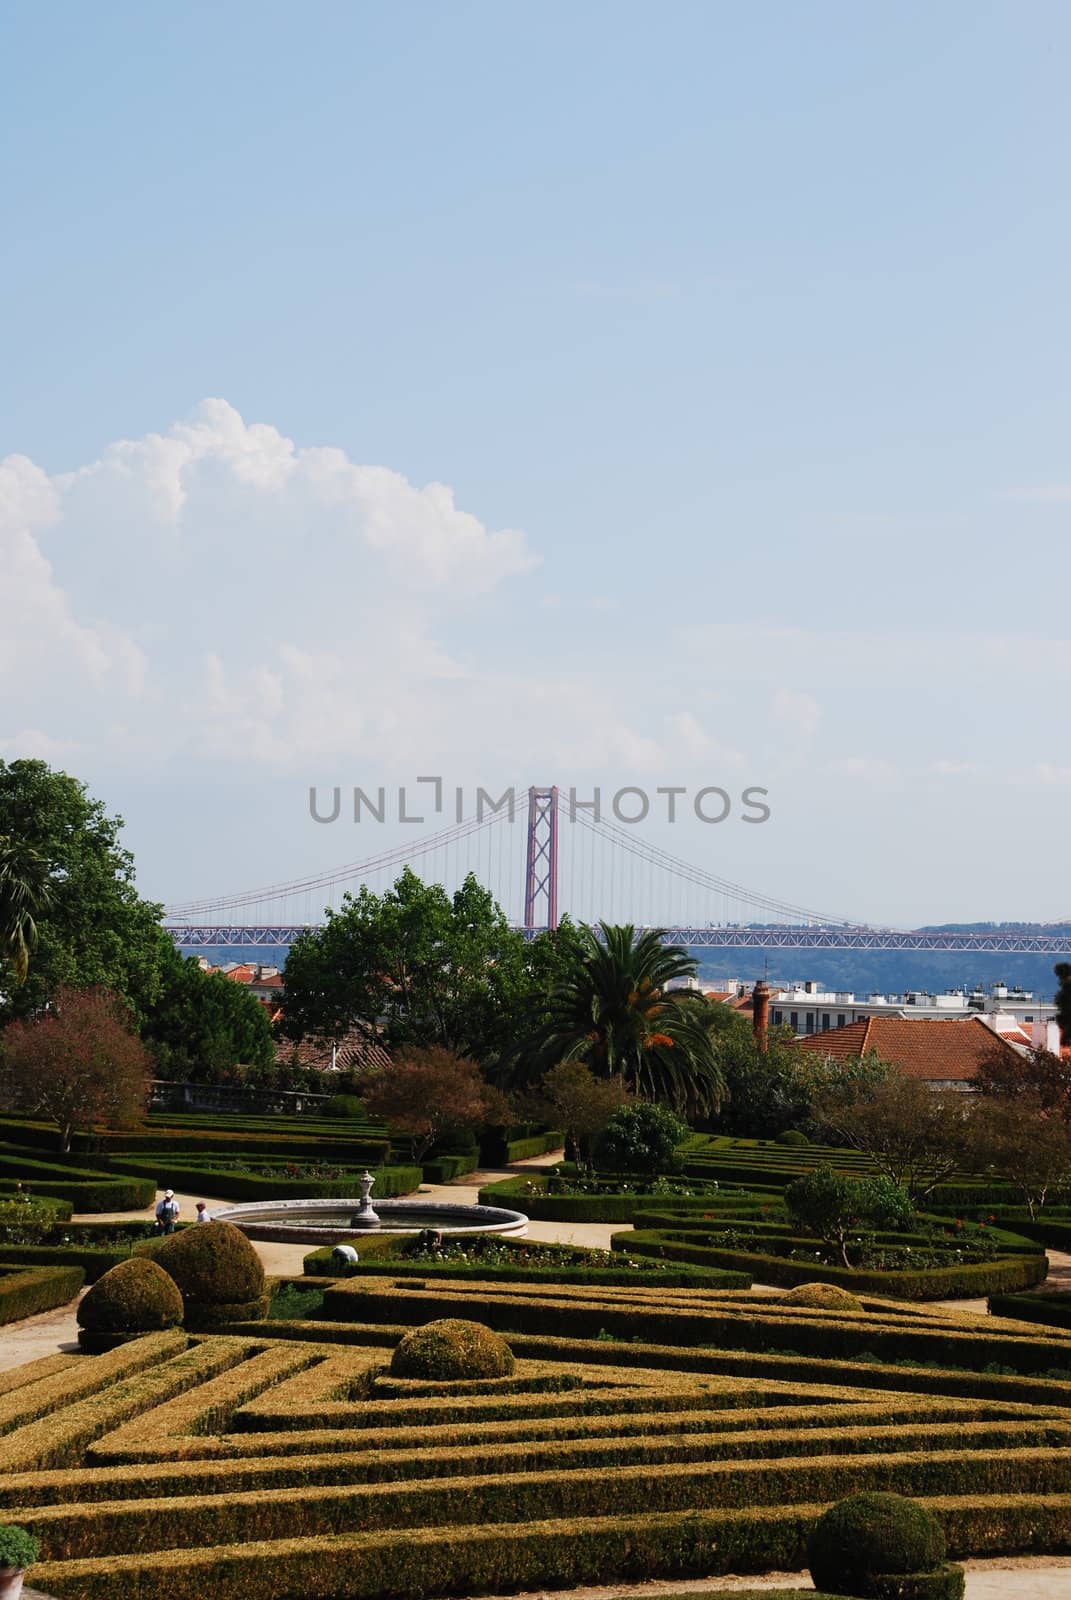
(364, 1216)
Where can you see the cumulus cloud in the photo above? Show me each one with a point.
(217, 593)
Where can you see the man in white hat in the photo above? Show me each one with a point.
(167, 1211)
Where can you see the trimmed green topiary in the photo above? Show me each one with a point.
(451, 1349)
(823, 1297)
(793, 1137)
(218, 1273)
(130, 1299)
(867, 1539)
(17, 1547)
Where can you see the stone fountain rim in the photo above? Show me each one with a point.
(252, 1217)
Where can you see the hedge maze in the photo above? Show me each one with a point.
(644, 1432)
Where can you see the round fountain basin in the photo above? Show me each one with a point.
(329, 1221)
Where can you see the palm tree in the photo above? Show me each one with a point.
(24, 894)
(614, 1011)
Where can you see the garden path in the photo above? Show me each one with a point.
(1003, 1578)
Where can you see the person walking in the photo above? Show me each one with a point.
(167, 1211)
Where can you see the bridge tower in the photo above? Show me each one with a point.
(541, 872)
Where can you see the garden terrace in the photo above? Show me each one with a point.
(1054, 1310)
(774, 1254)
(312, 1471)
(766, 1164)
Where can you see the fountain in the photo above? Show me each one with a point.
(336, 1221)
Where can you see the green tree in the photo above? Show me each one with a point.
(835, 1207)
(642, 1137)
(915, 1135)
(93, 930)
(613, 1010)
(24, 894)
(417, 966)
(573, 1099)
(1063, 1000)
(202, 1027)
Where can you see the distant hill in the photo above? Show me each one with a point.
(891, 971)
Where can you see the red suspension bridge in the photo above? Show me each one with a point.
(602, 870)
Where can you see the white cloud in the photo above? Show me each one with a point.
(799, 711)
(1048, 494)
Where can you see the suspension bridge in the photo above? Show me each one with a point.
(595, 868)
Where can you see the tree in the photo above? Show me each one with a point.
(202, 1027)
(79, 1063)
(915, 1135)
(1063, 1000)
(430, 1093)
(1026, 1142)
(1040, 1075)
(767, 1090)
(415, 966)
(834, 1207)
(93, 930)
(614, 1011)
(573, 1099)
(24, 894)
(642, 1138)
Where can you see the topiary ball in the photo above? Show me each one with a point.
(451, 1349)
(132, 1298)
(823, 1297)
(218, 1273)
(792, 1136)
(873, 1537)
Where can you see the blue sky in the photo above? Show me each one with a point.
(736, 335)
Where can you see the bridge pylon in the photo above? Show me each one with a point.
(541, 868)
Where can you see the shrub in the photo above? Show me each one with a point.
(792, 1136)
(17, 1547)
(344, 1105)
(642, 1138)
(869, 1537)
(450, 1349)
(823, 1297)
(132, 1298)
(218, 1274)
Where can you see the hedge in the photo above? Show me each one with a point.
(1002, 1275)
(1052, 1309)
(561, 1553)
(94, 1263)
(318, 1264)
(198, 1519)
(611, 1207)
(500, 1149)
(86, 1190)
(444, 1169)
(680, 1319)
(26, 1290)
(227, 1185)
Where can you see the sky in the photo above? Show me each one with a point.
(601, 394)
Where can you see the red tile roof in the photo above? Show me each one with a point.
(934, 1050)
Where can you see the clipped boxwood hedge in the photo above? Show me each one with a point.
(318, 1264)
(228, 1185)
(1002, 1275)
(26, 1290)
(444, 1169)
(1054, 1310)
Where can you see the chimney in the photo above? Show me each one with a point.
(760, 1013)
(1045, 1036)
